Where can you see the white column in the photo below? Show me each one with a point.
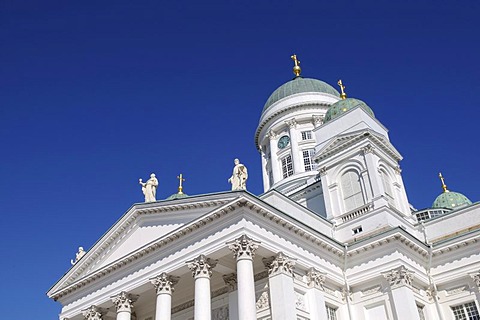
(244, 250)
(280, 282)
(266, 179)
(202, 270)
(124, 304)
(163, 284)
(296, 159)
(92, 313)
(231, 282)
(315, 296)
(402, 300)
(277, 174)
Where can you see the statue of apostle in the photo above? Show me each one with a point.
(239, 176)
(149, 188)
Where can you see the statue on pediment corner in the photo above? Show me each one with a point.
(78, 255)
(239, 176)
(149, 188)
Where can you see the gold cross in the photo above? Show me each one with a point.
(180, 188)
(342, 88)
(444, 186)
(296, 69)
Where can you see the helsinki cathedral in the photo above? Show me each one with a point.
(333, 236)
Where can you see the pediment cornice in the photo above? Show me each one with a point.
(342, 142)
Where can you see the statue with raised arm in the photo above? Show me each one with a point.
(78, 255)
(239, 176)
(149, 188)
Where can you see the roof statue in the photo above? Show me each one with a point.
(239, 176)
(149, 188)
(78, 255)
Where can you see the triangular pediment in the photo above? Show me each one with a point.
(343, 141)
(169, 224)
(142, 224)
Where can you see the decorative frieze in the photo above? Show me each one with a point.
(322, 171)
(263, 301)
(315, 278)
(243, 247)
(220, 313)
(399, 276)
(317, 120)
(431, 292)
(201, 266)
(346, 294)
(300, 301)
(124, 302)
(476, 279)
(93, 313)
(231, 281)
(371, 290)
(279, 264)
(164, 283)
(456, 290)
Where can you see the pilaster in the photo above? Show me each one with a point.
(315, 295)
(280, 282)
(231, 281)
(277, 175)
(402, 299)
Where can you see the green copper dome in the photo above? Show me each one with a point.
(343, 106)
(299, 85)
(451, 200)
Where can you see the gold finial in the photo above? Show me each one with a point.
(180, 188)
(444, 186)
(296, 69)
(342, 88)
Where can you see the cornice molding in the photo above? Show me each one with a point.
(299, 106)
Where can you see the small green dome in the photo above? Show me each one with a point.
(177, 196)
(342, 106)
(451, 200)
(299, 85)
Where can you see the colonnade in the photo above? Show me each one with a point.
(242, 301)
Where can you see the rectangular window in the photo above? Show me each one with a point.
(307, 159)
(357, 230)
(306, 135)
(287, 166)
(467, 311)
(331, 313)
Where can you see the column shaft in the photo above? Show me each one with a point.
(277, 174)
(246, 290)
(163, 309)
(202, 299)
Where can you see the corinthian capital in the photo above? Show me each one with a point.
(476, 279)
(201, 266)
(279, 264)
(124, 301)
(315, 278)
(399, 276)
(164, 283)
(292, 123)
(92, 313)
(243, 247)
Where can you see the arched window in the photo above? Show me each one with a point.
(352, 190)
(387, 184)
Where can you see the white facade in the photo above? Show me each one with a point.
(336, 240)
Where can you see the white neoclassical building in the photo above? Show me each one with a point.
(332, 237)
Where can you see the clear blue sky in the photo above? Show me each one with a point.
(96, 94)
